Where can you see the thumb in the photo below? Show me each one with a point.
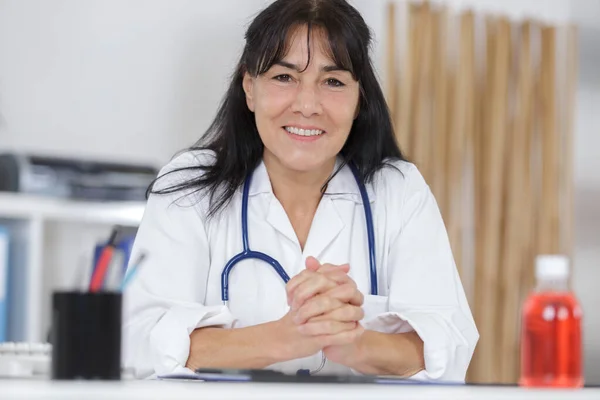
(345, 267)
(312, 264)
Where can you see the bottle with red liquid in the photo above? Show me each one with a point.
(551, 352)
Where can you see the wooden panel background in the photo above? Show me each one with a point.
(484, 107)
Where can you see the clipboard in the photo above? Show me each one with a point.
(264, 376)
(270, 376)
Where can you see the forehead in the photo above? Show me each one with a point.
(302, 45)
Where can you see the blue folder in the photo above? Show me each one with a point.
(4, 265)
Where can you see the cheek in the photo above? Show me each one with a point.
(341, 108)
(272, 100)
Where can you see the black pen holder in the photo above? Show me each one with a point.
(86, 335)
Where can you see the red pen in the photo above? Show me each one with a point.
(103, 262)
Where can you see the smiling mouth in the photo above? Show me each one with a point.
(303, 132)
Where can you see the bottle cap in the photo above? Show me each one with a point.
(552, 266)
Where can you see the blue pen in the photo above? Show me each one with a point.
(132, 270)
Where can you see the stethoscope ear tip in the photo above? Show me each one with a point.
(303, 372)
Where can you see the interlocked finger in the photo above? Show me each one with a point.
(346, 313)
(319, 283)
(316, 306)
(327, 327)
(347, 293)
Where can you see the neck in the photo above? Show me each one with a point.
(297, 191)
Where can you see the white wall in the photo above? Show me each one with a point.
(587, 181)
(84, 76)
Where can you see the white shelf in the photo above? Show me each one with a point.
(49, 234)
(20, 206)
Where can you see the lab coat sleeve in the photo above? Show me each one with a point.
(164, 302)
(425, 293)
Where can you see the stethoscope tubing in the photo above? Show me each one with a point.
(247, 253)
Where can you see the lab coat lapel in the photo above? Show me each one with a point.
(325, 227)
(275, 214)
(278, 219)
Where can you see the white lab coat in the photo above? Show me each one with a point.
(178, 289)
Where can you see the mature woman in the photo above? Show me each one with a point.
(294, 235)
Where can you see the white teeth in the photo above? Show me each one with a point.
(303, 132)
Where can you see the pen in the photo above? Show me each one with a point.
(131, 271)
(103, 262)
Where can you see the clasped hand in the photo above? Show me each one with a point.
(325, 310)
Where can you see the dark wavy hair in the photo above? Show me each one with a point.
(233, 136)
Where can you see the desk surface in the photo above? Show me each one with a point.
(183, 390)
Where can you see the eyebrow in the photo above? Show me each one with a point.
(326, 68)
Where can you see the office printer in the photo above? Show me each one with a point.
(73, 178)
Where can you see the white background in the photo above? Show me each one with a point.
(83, 76)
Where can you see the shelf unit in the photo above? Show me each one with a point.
(17, 206)
(52, 243)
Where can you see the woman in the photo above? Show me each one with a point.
(303, 116)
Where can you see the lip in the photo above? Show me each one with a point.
(305, 139)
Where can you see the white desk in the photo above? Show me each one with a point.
(146, 390)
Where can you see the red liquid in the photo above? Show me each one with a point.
(551, 341)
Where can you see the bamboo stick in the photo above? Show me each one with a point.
(518, 201)
(463, 101)
(404, 123)
(422, 130)
(492, 187)
(474, 169)
(504, 290)
(440, 121)
(531, 225)
(549, 222)
(481, 356)
(416, 58)
(496, 152)
(392, 80)
(467, 218)
(528, 223)
(450, 116)
(567, 220)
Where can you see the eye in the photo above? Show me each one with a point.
(334, 83)
(283, 78)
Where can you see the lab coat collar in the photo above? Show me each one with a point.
(342, 185)
(327, 223)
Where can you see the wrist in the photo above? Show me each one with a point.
(358, 354)
(277, 349)
(361, 351)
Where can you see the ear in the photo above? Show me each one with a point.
(248, 85)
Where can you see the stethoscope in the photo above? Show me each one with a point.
(248, 254)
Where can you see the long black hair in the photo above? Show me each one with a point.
(233, 136)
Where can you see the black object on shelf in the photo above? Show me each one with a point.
(72, 178)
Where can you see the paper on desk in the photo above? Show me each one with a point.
(180, 376)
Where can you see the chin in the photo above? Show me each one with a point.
(305, 163)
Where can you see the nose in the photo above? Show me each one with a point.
(308, 101)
